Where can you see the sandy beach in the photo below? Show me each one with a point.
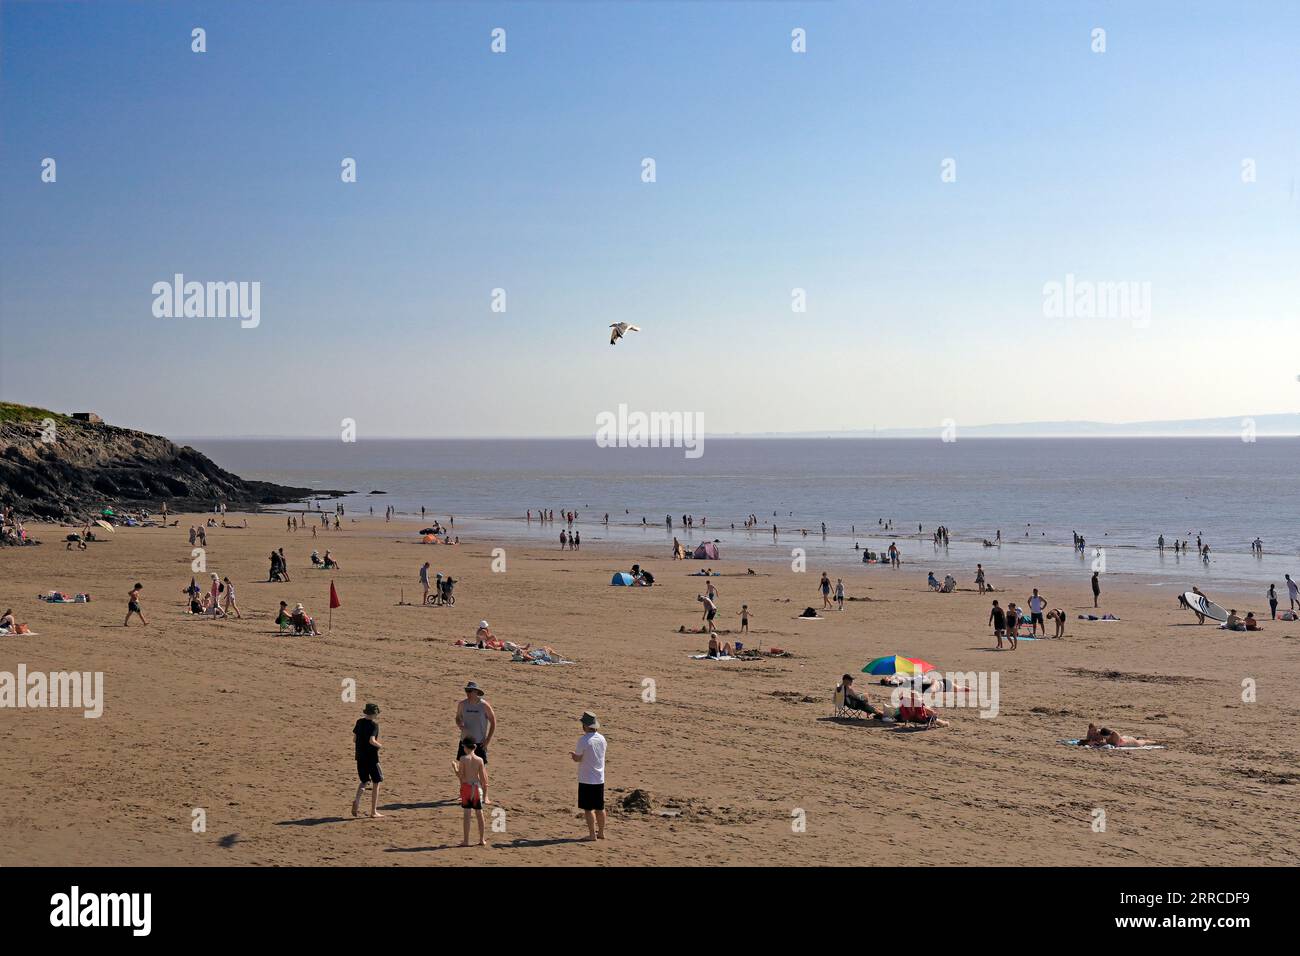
(250, 726)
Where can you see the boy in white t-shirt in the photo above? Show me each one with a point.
(589, 754)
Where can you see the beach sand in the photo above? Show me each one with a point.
(250, 726)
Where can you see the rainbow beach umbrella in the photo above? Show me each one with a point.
(893, 664)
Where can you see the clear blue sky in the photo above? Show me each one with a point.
(775, 170)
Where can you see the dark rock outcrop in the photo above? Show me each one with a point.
(87, 466)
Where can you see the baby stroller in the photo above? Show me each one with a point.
(446, 597)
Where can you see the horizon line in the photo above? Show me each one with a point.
(769, 436)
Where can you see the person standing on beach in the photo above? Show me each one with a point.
(1293, 590)
(589, 755)
(1036, 605)
(1096, 588)
(893, 554)
(564, 539)
(365, 734)
(230, 604)
(1013, 624)
(998, 619)
(979, 577)
(133, 605)
(744, 619)
(825, 587)
(424, 582)
(476, 721)
(471, 771)
(710, 611)
(1272, 601)
(839, 593)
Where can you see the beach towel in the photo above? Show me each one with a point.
(1075, 743)
(57, 597)
(521, 658)
(720, 657)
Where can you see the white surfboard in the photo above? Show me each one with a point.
(1207, 607)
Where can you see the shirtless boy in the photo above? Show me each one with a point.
(471, 771)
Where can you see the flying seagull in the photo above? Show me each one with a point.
(619, 328)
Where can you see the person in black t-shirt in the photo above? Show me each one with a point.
(998, 618)
(366, 733)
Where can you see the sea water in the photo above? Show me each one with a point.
(1119, 493)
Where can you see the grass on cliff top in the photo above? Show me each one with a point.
(9, 412)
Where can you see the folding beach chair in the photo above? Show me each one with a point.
(841, 709)
(916, 714)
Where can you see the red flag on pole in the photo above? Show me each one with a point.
(334, 597)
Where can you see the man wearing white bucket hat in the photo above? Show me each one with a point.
(589, 755)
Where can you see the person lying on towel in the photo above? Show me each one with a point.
(1101, 736)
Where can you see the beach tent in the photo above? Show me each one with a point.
(708, 550)
(621, 579)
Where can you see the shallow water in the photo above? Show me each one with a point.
(1119, 493)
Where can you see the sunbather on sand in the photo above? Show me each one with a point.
(916, 711)
(1101, 736)
(718, 651)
